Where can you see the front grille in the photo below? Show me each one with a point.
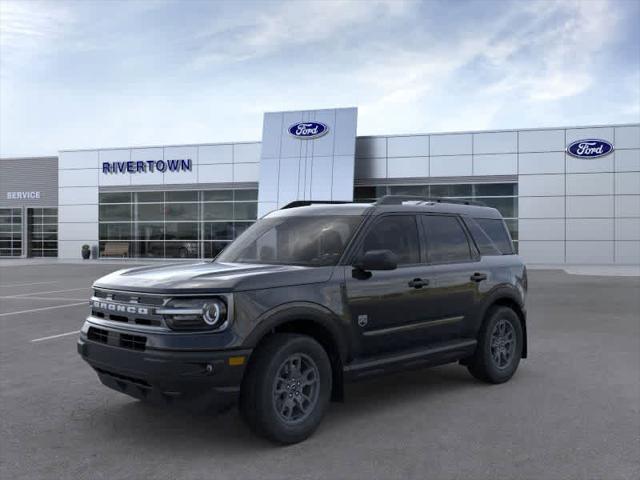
(123, 340)
(131, 308)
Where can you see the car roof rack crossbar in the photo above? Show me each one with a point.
(400, 199)
(306, 203)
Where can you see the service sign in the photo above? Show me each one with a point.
(308, 130)
(589, 148)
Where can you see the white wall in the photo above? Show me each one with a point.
(80, 176)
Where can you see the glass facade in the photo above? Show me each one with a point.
(42, 228)
(10, 232)
(502, 196)
(170, 224)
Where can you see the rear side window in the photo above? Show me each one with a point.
(446, 240)
(496, 230)
(398, 233)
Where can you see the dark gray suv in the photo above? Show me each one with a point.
(308, 298)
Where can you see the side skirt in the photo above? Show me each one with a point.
(433, 355)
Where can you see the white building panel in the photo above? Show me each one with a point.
(541, 229)
(452, 144)
(627, 160)
(272, 135)
(545, 162)
(215, 154)
(627, 228)
(628, 183)
(541, 141)
(78, 231)
(246, 153)
(589, 252)
(541, 207)
(451, 166)
(403, 167)
(601, 133)
(410, 146)
(148, 177)
(77, 195)
(78, 159)
(180, 176)
(541, 185)
(77, 213)
(541, 252)
(342, 168)
(323, 146)
(78, 178)
(590, 206)
(321, 177)
(266, 207)
(371, 147)
(587, 165)
(590, 184)
(627, 205)
(344, 134)
(215, 173)
(371, 168)
(291, 146)
(500, 164)
(268, 179)
(628, 253)
(589, 229)
(495, 142)
(628, 137)
(289, 181)
(246, 172)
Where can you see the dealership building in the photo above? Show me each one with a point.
(569, 195)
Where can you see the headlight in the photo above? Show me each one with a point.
(196, 313)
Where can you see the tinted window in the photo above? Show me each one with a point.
(497, 232)
(446, 239)
(484, 243)
(398, 234)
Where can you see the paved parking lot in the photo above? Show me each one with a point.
(571, 411)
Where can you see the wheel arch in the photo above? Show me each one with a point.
(507, 298)
(313, 320)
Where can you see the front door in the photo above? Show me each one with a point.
(384, 304)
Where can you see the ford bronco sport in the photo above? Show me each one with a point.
(308, 298)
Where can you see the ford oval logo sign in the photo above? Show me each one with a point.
(308, 130)
(590, 148)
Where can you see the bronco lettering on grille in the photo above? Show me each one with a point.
(117, 307)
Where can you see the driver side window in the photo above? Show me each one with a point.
(398, 233)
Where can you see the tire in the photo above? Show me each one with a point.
(286, 389)
(497, 364)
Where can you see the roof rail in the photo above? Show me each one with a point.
(306, 203)
(400, 199)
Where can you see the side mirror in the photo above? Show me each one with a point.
(377, 260)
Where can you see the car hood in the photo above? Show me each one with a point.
(206, 277)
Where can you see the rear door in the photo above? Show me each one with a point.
(454, 273)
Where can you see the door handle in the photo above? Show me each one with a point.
(418, 283)
(478, 277)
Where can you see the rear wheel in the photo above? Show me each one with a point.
(499, 346)
(287, 388)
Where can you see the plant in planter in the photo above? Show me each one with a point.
(86, 252)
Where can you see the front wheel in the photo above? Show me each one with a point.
(287, 388)
(499, 347)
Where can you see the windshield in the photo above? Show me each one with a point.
(310, 241)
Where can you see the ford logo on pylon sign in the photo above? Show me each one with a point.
(590, 148)
(308, 130)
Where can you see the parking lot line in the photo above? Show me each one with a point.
(13, 297)
(51, 291)
(27, 284)
(86, 302)
(55, 336)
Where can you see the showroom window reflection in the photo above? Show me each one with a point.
(502, 196)
(174, 224)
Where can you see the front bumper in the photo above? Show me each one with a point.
(193, 378)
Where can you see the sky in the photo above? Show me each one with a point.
(85, 74)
